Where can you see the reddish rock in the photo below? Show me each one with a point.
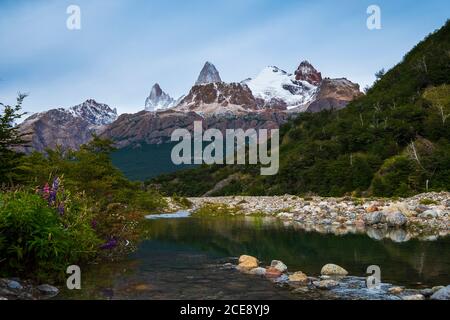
(272, 272)
(306, 72)
(372, 209)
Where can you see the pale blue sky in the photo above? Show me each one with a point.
(125, 46)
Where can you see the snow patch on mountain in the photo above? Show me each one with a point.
(97, 114)
(158, 99)
(274, 83)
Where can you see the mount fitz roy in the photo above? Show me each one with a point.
(158, 99)
(264, 102)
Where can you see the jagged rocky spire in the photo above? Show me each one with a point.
(209, 74)
(158, 99)
(307, 72)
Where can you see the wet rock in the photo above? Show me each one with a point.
(25, 296)
(437, 288)
(48, 289)
(258, 271)
(280, 266)
(442, 294)
(396, 219)
(333, 270)
(427, 292)
(414, 297)
(300, 290)
(373, 217)
(228, 266)
(299, 277)
(376, 234)
(395, 290)
(247, 262)
(272, 272)
(398, 235)
(326, 284)
(6, 292)
(12, 284)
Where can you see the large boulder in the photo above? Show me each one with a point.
(48, 290)
(373, 217)
(442, 294)
(299, 277)
(247, 262)
(326, 284)
(396, 219)
(430, 213)
(280, 266)
(333, 270)
(272, 272)
(258, 271)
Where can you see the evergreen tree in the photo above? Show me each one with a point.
(10, 137)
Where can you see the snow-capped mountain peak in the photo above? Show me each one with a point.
(274, 83)
(95, 113)
(158, 99)
(209, 74)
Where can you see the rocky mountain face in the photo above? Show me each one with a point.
(218, 98)
(209, 74)
(306, 72)
(334, 94)
(157, 127)
(158, 99)
(68, 128)
(266, 101)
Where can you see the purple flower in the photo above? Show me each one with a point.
(94, 224)
(112, 243)
(55, 184)
(61, 209)
(52, 197)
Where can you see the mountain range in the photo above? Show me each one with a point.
(266, 101)
(394, 141)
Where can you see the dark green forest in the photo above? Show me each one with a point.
(393, 141)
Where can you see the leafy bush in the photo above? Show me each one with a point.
(216, 210)
(50, 224)
(37, 239)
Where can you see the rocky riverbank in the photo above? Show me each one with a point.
(16, 289)
(333, 282)
(424, 216)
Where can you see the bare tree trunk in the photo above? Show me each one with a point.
(443, 115)
(414, 154)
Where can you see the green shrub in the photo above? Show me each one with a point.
(38, 241)
(427, 202)
(183, 202)
(216, 210)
